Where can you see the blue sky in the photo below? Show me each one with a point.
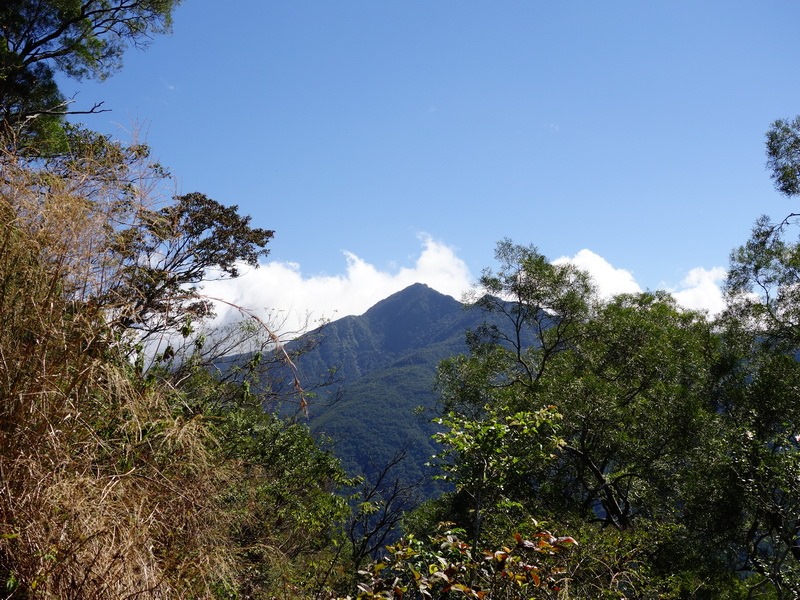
(388, 141)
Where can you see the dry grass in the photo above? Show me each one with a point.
(112, 483)
(128, 514)
(106, 490)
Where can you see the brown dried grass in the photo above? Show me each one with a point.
(106, 489)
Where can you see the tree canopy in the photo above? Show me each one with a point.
(78, 38)
(783, 155)
(664, 442)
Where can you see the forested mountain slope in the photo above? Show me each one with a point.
(382, 399)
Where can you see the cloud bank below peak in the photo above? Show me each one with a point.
(281, 293)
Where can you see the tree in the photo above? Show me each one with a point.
(633, 397)
(783, 155)
(761, 328)
(166, 253)
(595, 416)
(761, 288)
(138, 260)
(377, 508)
(542, 305)
(79, 38)
(119, 479)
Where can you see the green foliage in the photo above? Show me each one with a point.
(760, 328)
(597, 417)
(783, 155)
(283, 502)
(445, 566)
(541, 308)
(487, 459)
(166, 253)
(79, 38)
(673, 457)
(122, 480)
(633, 397)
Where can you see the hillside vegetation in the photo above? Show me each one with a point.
(382, 389)
(379, 375)
(126, 468)
(587, 448)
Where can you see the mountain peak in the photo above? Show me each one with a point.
(409, 314)
(412, 293)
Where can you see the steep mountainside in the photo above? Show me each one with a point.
(409, 320)
(385, 363)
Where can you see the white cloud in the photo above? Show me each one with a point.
(609, 280)
(701, 289)
(281, 290)
(293, 301)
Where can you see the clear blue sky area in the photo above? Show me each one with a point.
(633, 129)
